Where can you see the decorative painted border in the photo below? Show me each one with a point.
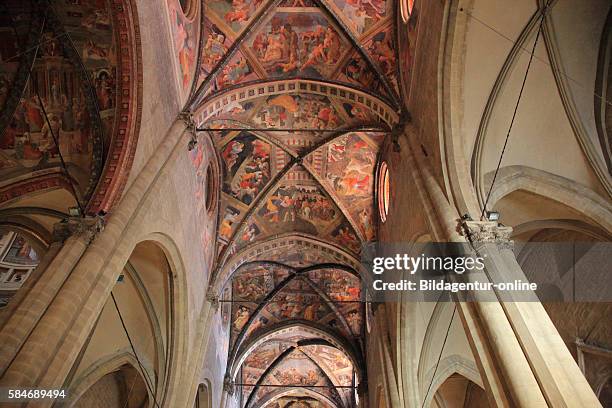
(215, 104)
(127, 123)
(31, 185)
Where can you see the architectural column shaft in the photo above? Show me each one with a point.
(504, 367)
(46, 357)
(57, 263)
(558, 374)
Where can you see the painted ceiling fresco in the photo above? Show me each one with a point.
(184, 34)
(297, 194)
(293, 359)
(298, 402)
(63, 101)
(247, 40)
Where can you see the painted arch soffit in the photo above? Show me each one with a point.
(250, 40)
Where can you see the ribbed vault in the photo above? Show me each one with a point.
(297, 97)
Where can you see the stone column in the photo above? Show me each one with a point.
(52, 346)
(71, 238)
(505, 371)
(559, 377)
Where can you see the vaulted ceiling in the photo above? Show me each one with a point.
(60, 97)
(297, 96)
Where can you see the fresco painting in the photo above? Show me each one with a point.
(298, 111)
(349, 169)
(340, 286)
(235, 14)
(334, 359)
(184, 33)
(235, 111)
(305, 306)
(303, 402)
(237, 70)
(381, 48)
(298, 43)
(298, 369)
(299, 207)
(246, 160)
(359, 72)
(20, 251)
(358, 114)
(344, 236)
(73, 105)
(254, 283)
(229, 217)
(310, 366)
(298, 300)
(326, 190)
(215, 45)
(361, 15)
(298, 3)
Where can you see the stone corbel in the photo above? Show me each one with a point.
(399, 129)
(488, 232)
(229, 385)
(87, 227)
(187, 118)
(213, 299)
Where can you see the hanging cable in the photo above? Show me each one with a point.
(516, 106)
(54, 137)
(510, 40)
(433, 376)
(144, 372)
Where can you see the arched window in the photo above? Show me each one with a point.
(406, 9)
(383, 191)
(203, 396)
(17, 260)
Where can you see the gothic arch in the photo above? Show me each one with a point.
(98, 370)
(268, 249)
(565, 191)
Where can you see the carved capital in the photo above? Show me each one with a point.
(228, 385)
(87, 227)
(488, 232)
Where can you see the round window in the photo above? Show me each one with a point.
(383, 191)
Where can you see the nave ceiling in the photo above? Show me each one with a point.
(297, 98)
